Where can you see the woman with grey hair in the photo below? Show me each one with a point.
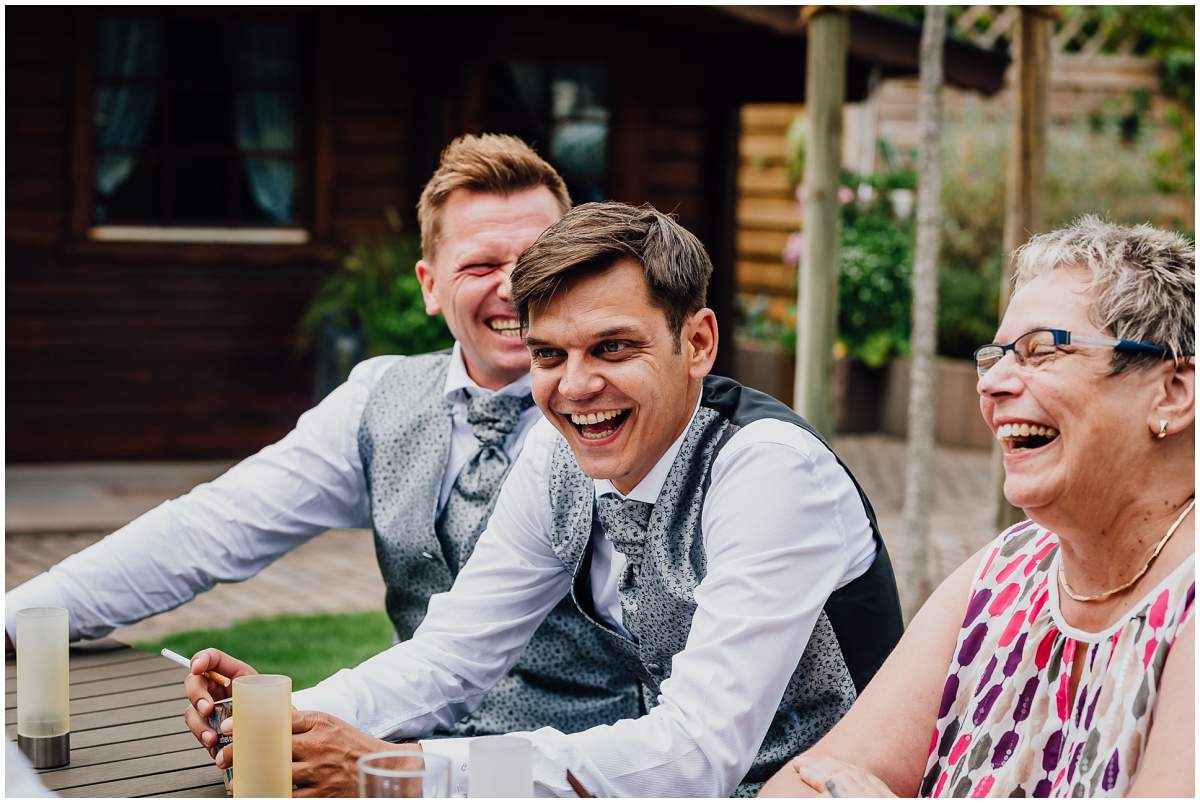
(1059, 660)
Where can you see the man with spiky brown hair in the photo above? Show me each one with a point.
(712, 540)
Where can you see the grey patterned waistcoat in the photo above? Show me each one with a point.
(566, 678)
(854, 632)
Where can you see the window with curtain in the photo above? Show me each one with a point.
(196, 123)
(562, 111)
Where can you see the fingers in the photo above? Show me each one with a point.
(199, 727)
(849, 780)
(200, 691)
(304, 721)
(213, 659)
(815, 770)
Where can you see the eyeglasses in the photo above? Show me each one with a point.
(1038, 345)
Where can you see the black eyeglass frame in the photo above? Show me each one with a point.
(1062, 337)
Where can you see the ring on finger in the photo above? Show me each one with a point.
(832, 789)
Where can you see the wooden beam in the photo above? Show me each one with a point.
(817, 297)
(1023, 208)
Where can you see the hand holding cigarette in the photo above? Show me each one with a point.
(212, 673)
(215, 677)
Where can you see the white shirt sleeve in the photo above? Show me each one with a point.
(225, 530)
(472, 634)
(782, 524)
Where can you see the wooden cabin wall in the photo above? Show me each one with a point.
(166, 352)
(135, 351)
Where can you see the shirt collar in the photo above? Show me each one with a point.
(651, 485)
(460, 387)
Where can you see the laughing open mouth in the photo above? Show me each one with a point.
(598, 425)
(508, 327)
(1015, 438)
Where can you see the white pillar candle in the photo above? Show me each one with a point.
(43, 699)
(501, 766)
(262, 736)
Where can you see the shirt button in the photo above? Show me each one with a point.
(427, 555)
(654, 669)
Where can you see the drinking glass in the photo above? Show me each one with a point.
(406, 772)
(43, 696)
(501, 766)
(262, 742)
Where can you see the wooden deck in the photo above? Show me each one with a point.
(127, 733)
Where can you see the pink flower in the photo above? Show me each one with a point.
(794, 248)
(845, 194)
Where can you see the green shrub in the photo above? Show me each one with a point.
(875, 281)
(375, 291)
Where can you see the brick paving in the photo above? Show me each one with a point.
(54, 511)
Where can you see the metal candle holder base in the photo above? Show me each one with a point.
(45, 752)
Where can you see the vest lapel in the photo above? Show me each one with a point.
(407, 444)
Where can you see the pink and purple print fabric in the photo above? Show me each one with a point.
(1007, 725)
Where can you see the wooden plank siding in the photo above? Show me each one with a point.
(767, 212)
(136, 350)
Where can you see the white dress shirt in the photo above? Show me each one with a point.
(231, 528)
(782, 526)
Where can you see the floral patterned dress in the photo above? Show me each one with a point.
(1006, 725)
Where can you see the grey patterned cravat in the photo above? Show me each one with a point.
(492, 417)
(624, 522)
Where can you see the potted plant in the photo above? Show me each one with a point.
(370, 305)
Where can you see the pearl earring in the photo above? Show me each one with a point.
(1162, 428)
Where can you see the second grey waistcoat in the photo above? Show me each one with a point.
(566, 678)
(854, 633)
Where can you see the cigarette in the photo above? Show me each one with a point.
(215, 677)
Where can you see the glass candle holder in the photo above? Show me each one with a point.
(405, 772)
(262, 739)
(501, 766)
(43, 699)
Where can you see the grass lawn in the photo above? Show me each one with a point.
(308, 649)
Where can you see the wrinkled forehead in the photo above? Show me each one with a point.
(595, 304)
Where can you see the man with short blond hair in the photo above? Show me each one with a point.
(413, 447)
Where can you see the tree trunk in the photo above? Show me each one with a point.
(1026, 177)
(919, 471)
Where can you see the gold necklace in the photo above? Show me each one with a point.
(1062, 574)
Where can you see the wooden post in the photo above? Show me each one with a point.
(1023, 209)
(816, 320)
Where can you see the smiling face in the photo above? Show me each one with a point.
(1069, 430)
(606, 371)
(467, 280)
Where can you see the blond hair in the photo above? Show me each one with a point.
(488, 163)
(1143, 280)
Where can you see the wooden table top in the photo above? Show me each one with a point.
(128, 738)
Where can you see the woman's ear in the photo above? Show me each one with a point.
(1176, 398)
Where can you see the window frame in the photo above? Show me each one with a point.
(312, 157)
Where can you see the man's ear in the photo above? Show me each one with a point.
(1176, 398)
(425, 274)
(699, 342)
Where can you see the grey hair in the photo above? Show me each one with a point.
(1143, 281)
